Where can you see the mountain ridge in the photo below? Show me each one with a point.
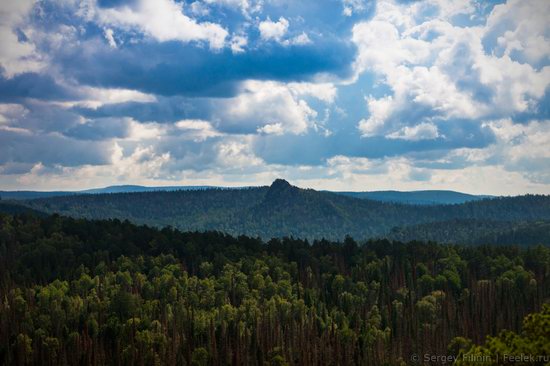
(284, 210)
(422, 197)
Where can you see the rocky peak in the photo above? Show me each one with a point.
(279, 189)
(279, 184)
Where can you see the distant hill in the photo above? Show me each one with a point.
(431, 197)
(476, 232)
(284, 210)
(16, 209)
(133, 188)
(27, 195)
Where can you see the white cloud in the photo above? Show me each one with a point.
(238, 43)
(163, 20)
(483, 180)
(351, 6)
(270, 30)
(349, 165)
(10, 111)
(526, 30)
(91, 97)
(519, 154)
(262, 103)
(272, 129)
(379, 109)
(142, 163)
(145, 131)
(405, 173)
(369, 174)
(247, 7)
(325, 92)
(450, 8)
(236, 154)
(423, 131)
(199, 8)
(277, 31)
(16, 56)
(522, 148)
(301, 40)
(198, 130)
(109, 36)
(432, 65)
(14, 11)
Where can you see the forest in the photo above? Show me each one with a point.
(476, 232)
(285, 210)
(109, 292)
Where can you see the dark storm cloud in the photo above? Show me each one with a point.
(165, 109)
(100, 129)
(33, 85)
(51, 150)
(172, 68)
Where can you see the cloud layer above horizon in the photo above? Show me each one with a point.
(335, 94)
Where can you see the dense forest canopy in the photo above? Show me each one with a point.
(284, 210)
(477, 232)
(76, 291)
(424, 197)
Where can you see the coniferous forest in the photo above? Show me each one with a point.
(274, 182)
(109, 292)
(284, 210)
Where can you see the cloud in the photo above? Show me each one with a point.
(33, 85)
(238, 44)
(97, 97)
(199, 8)
(171, 68)
(270, 30)
(518, 29)
(277, 31)
(163, 109)
(342, 94)
(272, 129)
(354, 6)
(435, 69)
(265, 107)
(114, 3)
(198, 130)
(17, 55)
(300, 40)
(41, 117)
(163, 20)
(247, 7)
(379, 109)
(423, 131)
(323, 91)
(23, 146)
(522, 148)
(109, 36)
(237, 155)
(11, 111)
(100, 129)
(285, 102)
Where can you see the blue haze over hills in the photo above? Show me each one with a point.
(425, 197)
(282, 210)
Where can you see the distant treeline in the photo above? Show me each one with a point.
(75, 291)
(284, 210)
(477, 232)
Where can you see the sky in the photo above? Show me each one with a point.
(329, 94)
